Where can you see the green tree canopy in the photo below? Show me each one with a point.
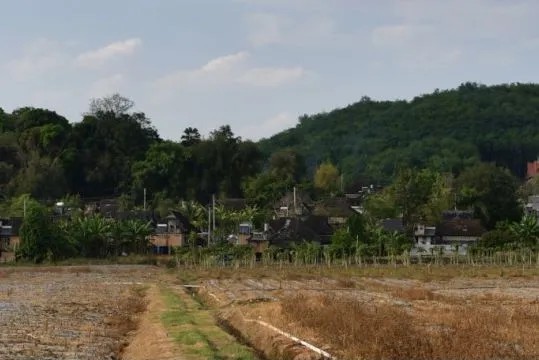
(491, 192)
(326, 177)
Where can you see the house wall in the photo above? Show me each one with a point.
(533, 169)
(446, 249)
(260, 246)
(14, 243)
(168, 240)
(337, 220)
(243, 239)
(423, 240)
(459, 239)
(8, 249)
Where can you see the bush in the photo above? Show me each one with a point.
(498, 239)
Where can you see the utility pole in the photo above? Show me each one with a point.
(295, 210)
(144, 199)
(213, 205)
(209, 224)
(24, 208)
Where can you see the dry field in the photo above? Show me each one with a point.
(416, 312)
(442, 313)
(69, 312)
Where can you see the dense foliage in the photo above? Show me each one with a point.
(113, 151)
(461, 148)
(446, 131)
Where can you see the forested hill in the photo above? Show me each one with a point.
(445, 131)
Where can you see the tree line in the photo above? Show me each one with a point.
(446, 131)
(461, 148)
(114, 151)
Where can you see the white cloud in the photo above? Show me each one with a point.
(220, 69)
(96, 58)
(39, 57)
(268, 127)
(271, 76)
(106, 86)
(227, 69)
(224, 63)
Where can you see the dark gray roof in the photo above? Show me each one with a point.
(460, 227)
(233, 204)
(184, 223)
(288, 199)
(392, 225)
(334, 207)
(311, 228)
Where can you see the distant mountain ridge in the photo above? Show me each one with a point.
(445, 130)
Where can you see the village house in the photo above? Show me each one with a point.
(533, 169)
(258, 240)
(392, 225)
(293, 203)
(283, 232)
(455, 233)
(338, 210)
(532, 206)
(9, 238)
(171, 232)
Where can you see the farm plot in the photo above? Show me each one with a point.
(69, 312)
(353, 317)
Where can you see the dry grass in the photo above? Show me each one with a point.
(414, 293)
(346, 283)
(382, 331)
(424, 273)
(384, 312)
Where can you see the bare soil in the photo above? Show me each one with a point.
(151, 340)
(84, 312)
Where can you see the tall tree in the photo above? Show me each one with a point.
(190, 136)
(115, 104)
(107, 145)
(414, 193)
(162, 170)
(287, 163)
(326, 177)
(491, 192)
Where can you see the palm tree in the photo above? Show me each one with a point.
(90, 234)
(138, 233)
(117, 237)
(195, 212)
(527, 230)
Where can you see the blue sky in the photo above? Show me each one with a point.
(255, 64)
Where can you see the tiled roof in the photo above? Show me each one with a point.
(334, 207)
(460, 227)
(392, 225)
(311, 228)
(233, 204)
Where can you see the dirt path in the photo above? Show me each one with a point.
(151, 341)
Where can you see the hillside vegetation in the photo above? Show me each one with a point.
(446, 131)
